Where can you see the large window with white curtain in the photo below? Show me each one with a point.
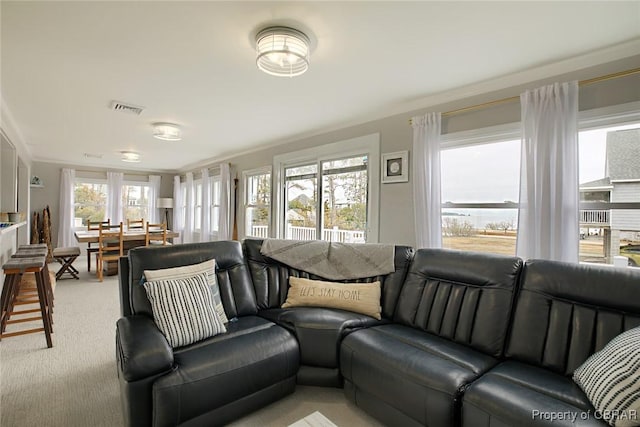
(198, 205)
(480, 184)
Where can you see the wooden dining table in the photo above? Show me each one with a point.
(131, 239)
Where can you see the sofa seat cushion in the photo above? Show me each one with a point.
(319, 330)
(253, 355)
(418, 374)
(514, 393)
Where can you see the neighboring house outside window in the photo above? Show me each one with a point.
(135, 201)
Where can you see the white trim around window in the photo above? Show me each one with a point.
(367, 144)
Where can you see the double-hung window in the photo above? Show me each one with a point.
(90, 201)
(257, 202)
(329, 192)
(135, 201)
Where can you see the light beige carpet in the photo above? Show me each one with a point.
(75, 383)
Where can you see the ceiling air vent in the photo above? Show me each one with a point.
(126, 108)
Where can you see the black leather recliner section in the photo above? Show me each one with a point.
(215, 380)
(563, 314)
(256, 356)
(319, 330)
(419, 375)
(450, 327)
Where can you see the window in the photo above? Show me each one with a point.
(480, 187)
(480, 190)
(135, 201)
(257, 202)
(90, 201)
(215, 204)
(610, 194)
(326, 193)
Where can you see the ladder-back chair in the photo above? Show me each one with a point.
(110, 246)
(156, 234)
(95, 226)
(135, 224)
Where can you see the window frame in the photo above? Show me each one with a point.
(597, 118)
(368, 145)
(147, 206)
(80, 180)
(246, 175)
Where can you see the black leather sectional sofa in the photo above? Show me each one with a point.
(466, 339)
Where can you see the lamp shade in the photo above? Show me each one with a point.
(165, 202)
(282, 51)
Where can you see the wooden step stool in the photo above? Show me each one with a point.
(65, 256)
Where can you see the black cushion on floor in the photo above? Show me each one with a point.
(418, 374)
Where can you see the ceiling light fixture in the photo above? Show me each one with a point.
(282, 51)
(167, 131)
(130, 156)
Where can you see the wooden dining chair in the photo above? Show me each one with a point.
(133, 224)
(156, 234)
(95, 226)
(110, 246)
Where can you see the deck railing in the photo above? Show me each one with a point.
(309, 233)
(595, 216)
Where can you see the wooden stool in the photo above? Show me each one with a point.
(11, 296)
(66, 256)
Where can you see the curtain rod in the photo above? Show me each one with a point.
(124, 173)
(516, 98)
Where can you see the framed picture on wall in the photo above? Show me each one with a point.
(395, 167)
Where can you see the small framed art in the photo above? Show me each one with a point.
(395, 167)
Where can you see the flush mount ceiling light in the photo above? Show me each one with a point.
(282, 51)
(130, 156)
(167, 131)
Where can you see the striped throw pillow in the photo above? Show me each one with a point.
(208, 267)
(183, 309)
(611, 380)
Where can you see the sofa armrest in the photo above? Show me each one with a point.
(141, 348)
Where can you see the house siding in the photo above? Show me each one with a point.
(627, 220)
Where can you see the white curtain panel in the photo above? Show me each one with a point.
(205, 227)
(67, 211)
(114, 197)
(154, 192)
(548, 219)
(178, 203)
(189, 223)
(426, 180)
(226, 209)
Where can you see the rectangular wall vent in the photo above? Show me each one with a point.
(126, 108)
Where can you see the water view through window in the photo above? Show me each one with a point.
(480, 191)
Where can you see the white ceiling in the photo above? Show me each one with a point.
(193, 63)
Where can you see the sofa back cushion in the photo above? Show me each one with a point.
(465, 297)
(232, 272)
(271, 278)
(566, 312)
